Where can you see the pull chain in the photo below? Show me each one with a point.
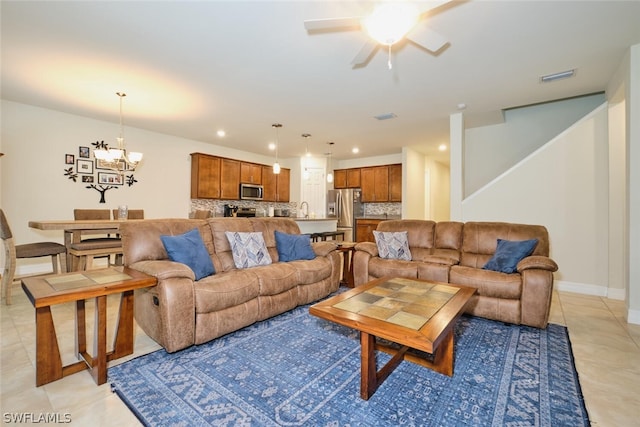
(389, 61)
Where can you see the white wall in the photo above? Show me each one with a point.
(524, 130)
(438, 191)
(413, 185)
(563, 186)
(633, 190)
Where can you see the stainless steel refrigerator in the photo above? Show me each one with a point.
(345, 205)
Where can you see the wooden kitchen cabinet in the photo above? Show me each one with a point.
(205, 176)
(365, 229)
(375, 184)
(250, 173)
(229, 179)
(346, 178)
(353, 178)
(276, 187)
(339, 178)
(395, 183)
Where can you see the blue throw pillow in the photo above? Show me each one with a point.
(509, 253)
(189, 249)
(293, 247)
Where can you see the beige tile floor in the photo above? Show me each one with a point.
(606, 349)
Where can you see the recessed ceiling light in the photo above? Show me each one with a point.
(442, 147)
(272, 146)
(557, 76)
(221, 133)
(461, 106)
(355, 150)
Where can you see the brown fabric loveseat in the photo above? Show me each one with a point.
(455, 252)
(180, 311)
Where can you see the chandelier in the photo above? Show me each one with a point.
(118, 159)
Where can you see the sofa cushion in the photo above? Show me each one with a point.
(276, 278)
(293, 247)
(249, 249)
(225, 290)
(509, 253)
(379, 267)
(393, 245)
(189, 249)
(488, 283)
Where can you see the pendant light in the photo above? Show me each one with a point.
(305, 174)
(118, 159)
(276, 165)
(330, 173)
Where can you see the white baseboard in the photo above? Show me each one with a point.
(595, 290)
(581, 288)
(633, 316)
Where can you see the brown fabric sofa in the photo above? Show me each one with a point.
(455, 252)
(181, 311)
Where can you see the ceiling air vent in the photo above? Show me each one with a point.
(557, 76)
(385, 116)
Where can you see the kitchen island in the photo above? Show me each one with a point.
(316, 225)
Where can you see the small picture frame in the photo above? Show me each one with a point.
(102, 164)
(84, 152)
(84, 166)
(107, 178)
(69, 159)
(88, 179)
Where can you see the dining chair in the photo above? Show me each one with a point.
(86, 250)
(131, 214)
(202, 214)
(13, 252)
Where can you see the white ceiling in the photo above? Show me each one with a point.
(191, 68)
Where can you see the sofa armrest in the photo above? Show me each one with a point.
(164, 269)
(537, 262)
(368, 247)
(166, 312)
(323, 248)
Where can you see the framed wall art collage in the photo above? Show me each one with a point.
(97, 174)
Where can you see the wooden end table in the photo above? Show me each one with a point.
(347, 249)
(412, 313)
(45, 291)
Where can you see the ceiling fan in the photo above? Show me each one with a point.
(387, 24)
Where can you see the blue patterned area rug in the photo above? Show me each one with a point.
(299, 370)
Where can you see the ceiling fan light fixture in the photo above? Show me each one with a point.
(390, 22)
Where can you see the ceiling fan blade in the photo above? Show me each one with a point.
(427, 6)
(427, 38)
(352, 23)
(365, 53)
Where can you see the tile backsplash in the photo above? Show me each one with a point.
(217, 207)
(372, 209)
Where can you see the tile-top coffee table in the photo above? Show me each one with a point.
(414, 314)
(45, 291)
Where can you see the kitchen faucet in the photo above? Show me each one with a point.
(306, 214)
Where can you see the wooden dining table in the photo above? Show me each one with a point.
(73, 229)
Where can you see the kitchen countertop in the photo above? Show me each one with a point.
(379, 217)
(314, 219)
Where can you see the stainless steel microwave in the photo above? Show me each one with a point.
(251, 192)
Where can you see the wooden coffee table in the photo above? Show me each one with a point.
(414, 314)
(45, 291)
